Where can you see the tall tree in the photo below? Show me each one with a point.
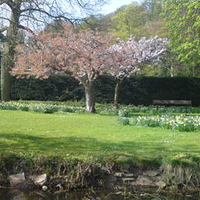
(97, 22)
(127, 20)
(82, 53)
(183, 20)
(29, 14)
(154, 22)
(139, 20)
(153, 9)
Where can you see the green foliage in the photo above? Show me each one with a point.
(55, 88)
(51, 109)
(123, 121)
(102, 109)
(143, 90)
(8, 106)
(182, 18)
(128, 19)
(97, 22)
(123, 113)
(55, 26)
(139, 20)
(179, 122)
(104, 88)
(24, 107)
(42, 107)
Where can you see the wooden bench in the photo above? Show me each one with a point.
(166, 103)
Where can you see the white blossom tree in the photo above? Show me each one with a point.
(126, 58)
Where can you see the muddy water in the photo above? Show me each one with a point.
(93, 195)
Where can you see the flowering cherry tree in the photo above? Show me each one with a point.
(82, 53)
(126, 58)
(88, 61)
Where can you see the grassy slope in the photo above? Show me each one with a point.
(84, 135)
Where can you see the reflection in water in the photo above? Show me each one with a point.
(91, 195)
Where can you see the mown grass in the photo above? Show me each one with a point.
(87, 136)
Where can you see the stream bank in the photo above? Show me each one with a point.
(96, 195)
(55, 174)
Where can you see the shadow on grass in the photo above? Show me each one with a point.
(86, 146)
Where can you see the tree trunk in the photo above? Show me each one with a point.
(0, 72)
(172, 71)
(5, 77)
(90, 97)
(117, 91)
(9, 54)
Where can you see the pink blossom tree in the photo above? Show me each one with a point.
(126, 58)
(82, 53)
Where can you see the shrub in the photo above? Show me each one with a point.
(24, 107)
(123, 121)
(123, 113)
(179, 122)
(50, 109)
(7, 106)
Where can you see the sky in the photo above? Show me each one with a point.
(115, 4)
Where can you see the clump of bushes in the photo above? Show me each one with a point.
(123, 121)
(178, 122)
(123, 113)
(47, 108)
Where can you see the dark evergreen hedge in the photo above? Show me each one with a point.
(134, 90)
(55, 88)
(143, 90)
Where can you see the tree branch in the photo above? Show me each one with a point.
(26, 29)
(8, 2)
(3, 29)
(5, 19)
(4, 1)
(46, 13)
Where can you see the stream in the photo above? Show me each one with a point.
(93, 195)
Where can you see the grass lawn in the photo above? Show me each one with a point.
(89, 136)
